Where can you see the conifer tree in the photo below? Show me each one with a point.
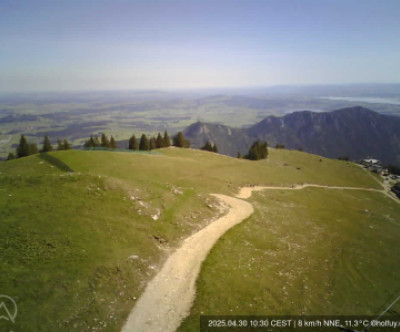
(263, 150)
(89, 143)
(152, 143)
(11, 156)
(239, 155)
(96, 142)
(144, 143)
(159, 141)
(214, 148)
(105, 143)
(166, 139)
(23, 147)
(180, 141)
(60, 145)
(258, 150)
(46, 145)
(133, 144)
(113, 144)
(33, 149)
(66, 144)
(253, 152)
(207, 147)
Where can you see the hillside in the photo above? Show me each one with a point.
(355, 132)
(84, 231)
(315, 252)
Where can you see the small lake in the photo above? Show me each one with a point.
(371, 100)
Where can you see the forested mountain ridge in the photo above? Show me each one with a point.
(356, 132)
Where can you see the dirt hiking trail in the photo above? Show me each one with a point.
(168, 297)
(246, 192)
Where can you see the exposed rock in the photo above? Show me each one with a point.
(176, 191)
(355, 132)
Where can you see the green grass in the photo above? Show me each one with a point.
(71, 220)
(33, 165)
(208, 172)
(67, 254)
(66, 239)
(309, 252)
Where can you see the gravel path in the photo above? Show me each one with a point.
(246, 192)
(168, 298)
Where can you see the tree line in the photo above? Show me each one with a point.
(104, 142)
(157, 142)
(258, 150)
(24, 148)
(144, 143)
(210, 147)
(147, 144)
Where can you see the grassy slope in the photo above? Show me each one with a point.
(66, 237)
(317, 251)
(208, 172)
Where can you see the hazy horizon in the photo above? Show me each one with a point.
(181, 45)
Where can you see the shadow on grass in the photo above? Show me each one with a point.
(55, 162)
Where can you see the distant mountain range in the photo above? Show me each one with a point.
(355, 132)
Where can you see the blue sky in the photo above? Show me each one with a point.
(145, 44)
